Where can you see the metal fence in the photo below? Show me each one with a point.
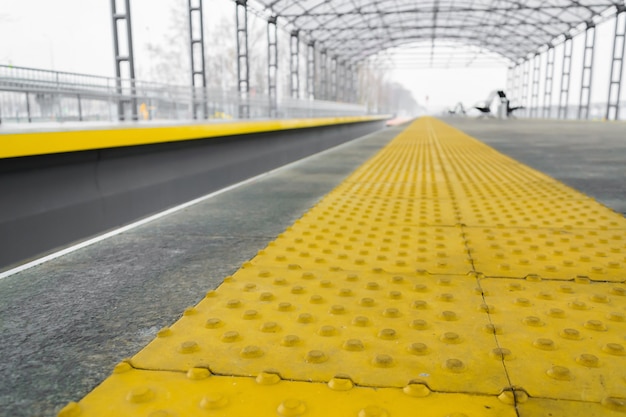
(34, 95)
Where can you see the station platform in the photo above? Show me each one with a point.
(439, 276)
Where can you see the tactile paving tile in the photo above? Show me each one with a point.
(367, 247)
(352, 211)
(378, 329)
(501, 177)
(538, 213)
(130, 392)
(431, 190)
(541, 407)
(563, 340)
(550, 253)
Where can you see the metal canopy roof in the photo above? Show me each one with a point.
(357, 29)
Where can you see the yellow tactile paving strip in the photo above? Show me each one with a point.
(441, 276)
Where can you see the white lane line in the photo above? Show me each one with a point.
(167, 212)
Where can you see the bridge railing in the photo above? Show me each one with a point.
(36, 95)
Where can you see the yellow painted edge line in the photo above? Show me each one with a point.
(41, 143)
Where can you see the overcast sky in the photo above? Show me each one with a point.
(75, 35)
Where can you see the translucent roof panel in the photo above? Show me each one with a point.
(357, 29)
(439, 54)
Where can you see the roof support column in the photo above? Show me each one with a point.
(587, 77)
(294, 47)
(243, 69)
(341, 82)
(347, 90)
(346, 82)
(324, 75)
(547, 94)
(510, 79)
(525, 81)
(352, 83)
(333, 78)
(357, 84)
(565, 77)
(534, 98)
(198, 67)
(617, 65)
(121, 58)
(310, 71)
(517, 83)
(272, 66)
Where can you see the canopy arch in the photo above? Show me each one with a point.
(514, 29)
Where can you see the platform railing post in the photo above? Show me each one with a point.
(565, 77)
(198, 63)
(272, 66)
(243, 68)
(617, 65)
(547, 94)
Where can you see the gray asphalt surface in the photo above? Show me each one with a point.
(66, 323)
(589, 156)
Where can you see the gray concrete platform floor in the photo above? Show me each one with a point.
(589, 156)
(66, 323)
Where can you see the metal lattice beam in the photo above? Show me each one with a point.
(517, 94)
(510, 79)
(547, 93)
(243, 68)
(587, 75)
(333, 78)
(565, 78)
(617, 65)
(198, 63)
(310, 71)
(294, 48)
(324, 84)
(534, 100)
(525, 84)
(513, 29)
(120, 59)
(272, 66)
(341, 81)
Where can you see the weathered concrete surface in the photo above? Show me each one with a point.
(66, 323)
(588, 156)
